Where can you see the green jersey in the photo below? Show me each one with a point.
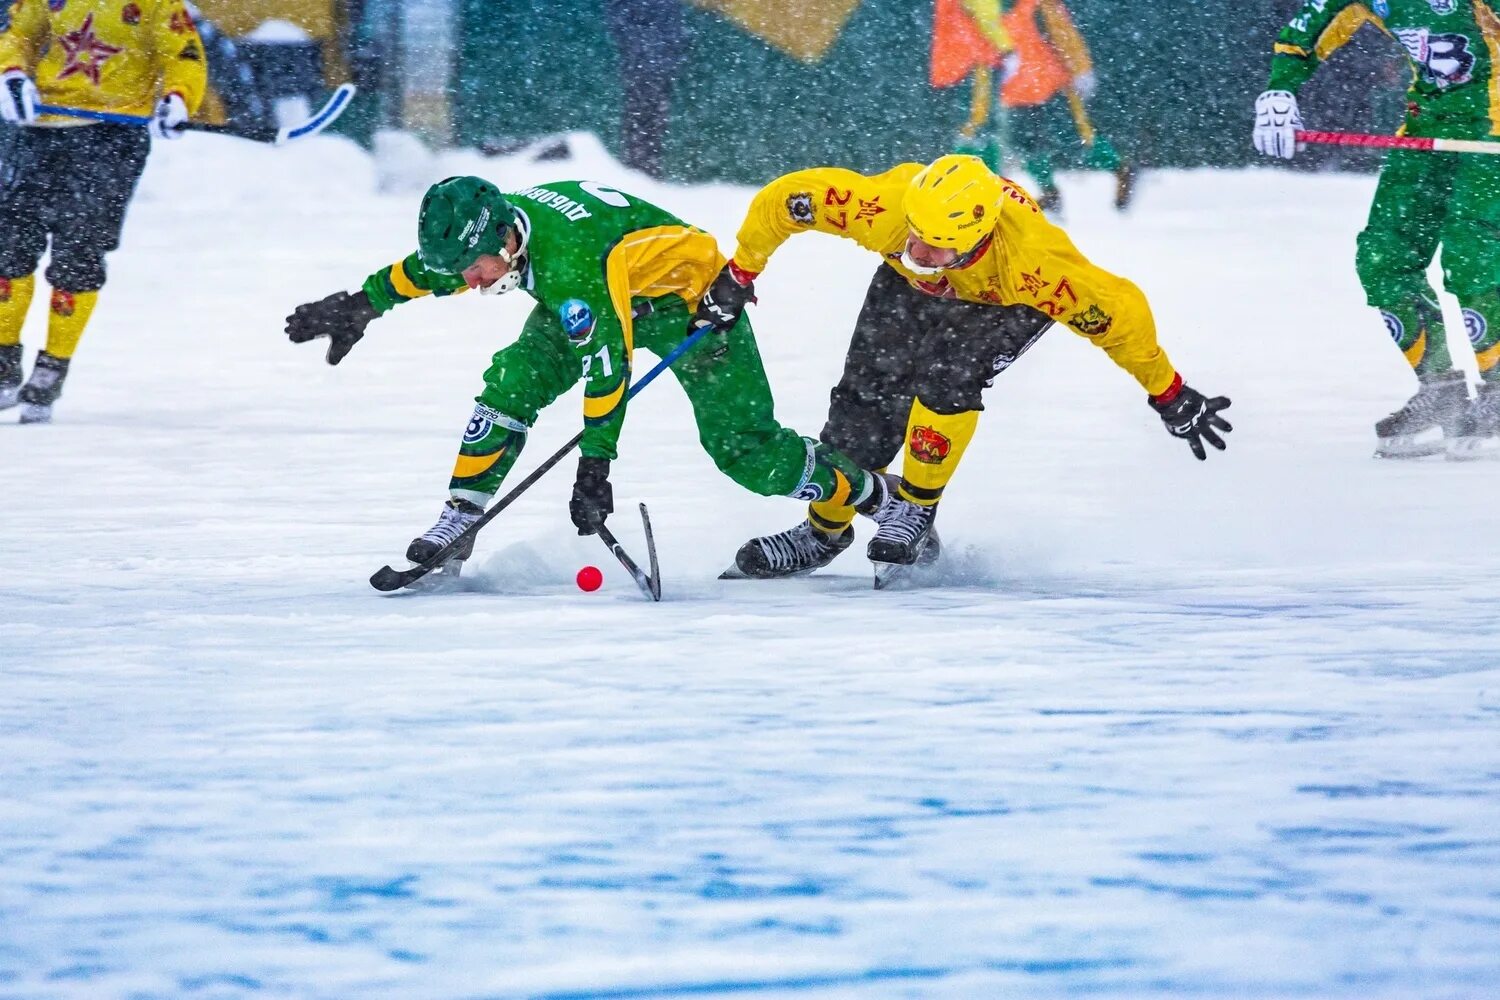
(1450, 45)
(592, 255)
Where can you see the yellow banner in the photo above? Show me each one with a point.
(240, 17)
(803, 29)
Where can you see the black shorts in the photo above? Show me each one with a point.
(72, 185)
(909, 344)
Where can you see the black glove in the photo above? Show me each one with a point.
(725, 301)
(340, 317)
(593, 499)
(1195, 418)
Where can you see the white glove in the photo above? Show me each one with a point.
(171, 115)
(1085, 84)
(1277, 120)
(1010, 65)
(18, 98)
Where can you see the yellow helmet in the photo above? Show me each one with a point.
(953, 202)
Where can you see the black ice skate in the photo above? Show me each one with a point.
(905, 538)
(43, 388)
(1479, 431)
(794, 552)
(10, 375)
(1431, 417)
(457, 515)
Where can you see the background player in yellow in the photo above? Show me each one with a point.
(972, 274)
(71, 181)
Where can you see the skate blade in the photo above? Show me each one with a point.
(1410, 446)
(735, 573)
(1474, 449)
(888, 575)
(33, 414)
(445, 579)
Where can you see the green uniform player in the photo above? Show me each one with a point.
(1423, 199)
(609, 273)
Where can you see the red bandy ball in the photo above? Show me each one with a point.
(589, 578)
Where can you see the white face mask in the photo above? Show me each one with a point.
(918, 269)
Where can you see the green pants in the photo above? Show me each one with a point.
(1424, 200)
(722, 376)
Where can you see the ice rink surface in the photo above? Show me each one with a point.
(1155, 727)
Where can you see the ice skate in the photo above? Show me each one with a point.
(42, 388)
(1479, 431)
(1427, 421)
(905, 538)
(456, 517)
(10, 375)
(794, 552)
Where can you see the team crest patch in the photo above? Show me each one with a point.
(1393, 326)
(811, 492)
(63, 303)
(1382, 9)
(483, 421)
(929, 446)
(1092, 322)
(800, 208)
(577, 320)
(1476, 326)
(131, 15)
(1443, 6)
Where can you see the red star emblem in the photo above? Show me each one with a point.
(85, 53)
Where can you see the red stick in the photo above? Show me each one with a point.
(1362, 139)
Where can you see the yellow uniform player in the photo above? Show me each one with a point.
(69, 181)
(972, 274)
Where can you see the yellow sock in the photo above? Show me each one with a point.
(15, 299)
(70, 314)
(833, 515)
(935, 444)
(830, 517)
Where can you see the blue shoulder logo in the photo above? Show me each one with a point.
(577, 320)
(1382, 9)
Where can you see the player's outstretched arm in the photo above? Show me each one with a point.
(341, 317)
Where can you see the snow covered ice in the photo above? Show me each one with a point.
(1218, 729)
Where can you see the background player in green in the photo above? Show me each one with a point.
(591, 257)
(1423, 199)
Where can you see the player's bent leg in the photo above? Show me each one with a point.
(522, 380)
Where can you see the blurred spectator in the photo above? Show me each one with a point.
(652, 39)
(231, 75)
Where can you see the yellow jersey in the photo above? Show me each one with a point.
(1029, 261)
(119, 56)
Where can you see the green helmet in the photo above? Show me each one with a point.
(460, 219)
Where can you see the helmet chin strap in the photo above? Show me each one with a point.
(511, 280)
